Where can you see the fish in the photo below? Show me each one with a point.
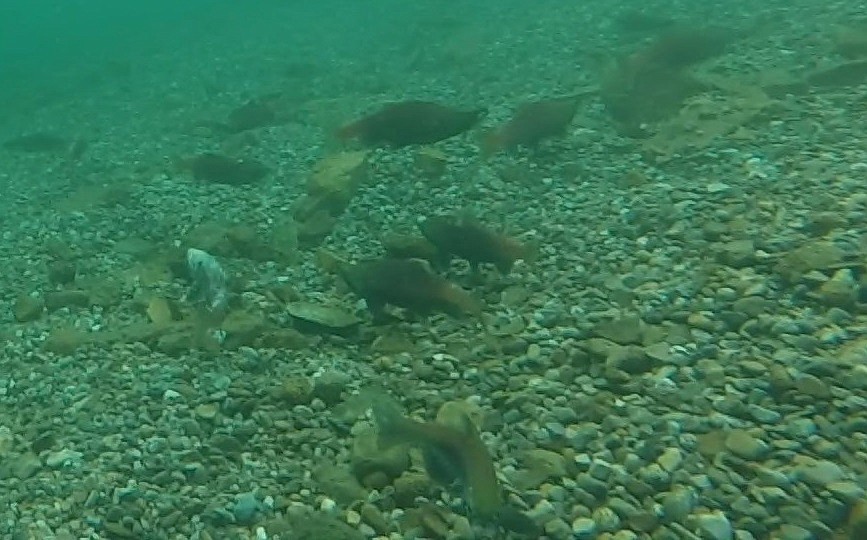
(37, 142)
(209, 283)
(452, 454)
(409, 123)
(468, 239)
(532, 123)
(406, 283)
(220, 169)
(251, 115)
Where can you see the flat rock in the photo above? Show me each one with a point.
(819, 473)
(624, 330)
(742, 444)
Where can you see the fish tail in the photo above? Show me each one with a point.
(349, 131)
(390, 422)
(491, 143)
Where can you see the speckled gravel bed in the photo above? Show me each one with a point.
(687, 358)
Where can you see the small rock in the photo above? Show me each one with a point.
(606, 519)
(714, 526)
(558, 529)
(670, 459)
(744, 445)
(625, 330)
(715, 188)
(678, 504)
(246, 508)
(63, 458)
(322, 318)
(329, 386)
(848, 492)
(793, 532)
(813, 386)
(584, 528)
(295, 390)
(207, 411)
(630, 359)
(738, 253)
(819, 473)
(763, 415)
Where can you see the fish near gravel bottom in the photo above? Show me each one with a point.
(453, 455)
(409, 284)
(450, 454)
(410, 122)
(468, 239)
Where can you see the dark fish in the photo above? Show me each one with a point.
(406, 283)
(220, 169)
(253, 114)
(451, 454)
(468, 239)
(531, 124)
(410, 122)
(676, 50)
(37, 142)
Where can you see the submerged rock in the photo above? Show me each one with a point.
(322, 318)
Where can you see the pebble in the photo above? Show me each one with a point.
(764, 415)
(353, 518)
(800, 428)
(678, 504)
(717, 187)
(671, 459)
(245, 509)
(600, 470)
(606, 519)
(714, 526)
(63, 458)
(848, 492)
(819, 473)
(793, 532)
(558, 529)
(584, 528)
(745, 445)
(207, 411)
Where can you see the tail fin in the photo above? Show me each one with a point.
(349, 131)
(491, 143)
(389, 422)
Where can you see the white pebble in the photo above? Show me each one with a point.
(353, 518)
(327, 505)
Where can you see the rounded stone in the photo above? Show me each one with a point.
(584, 528)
